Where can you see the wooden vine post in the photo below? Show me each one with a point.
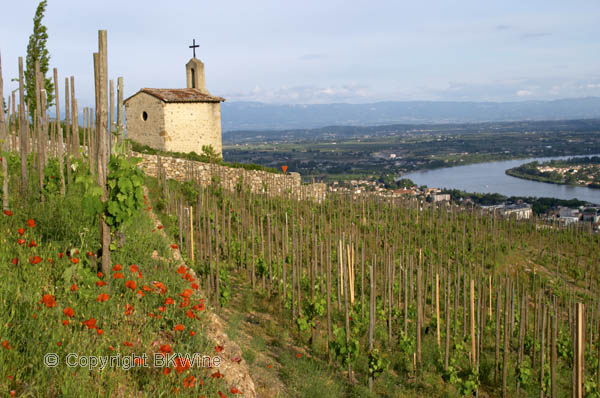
(59, 133)
(372, 314)
(473, 337)
(4, 141)
(192, 233)
(579, 349)
(101, 66)
(23, 128)
(119, 109)
(437, 308)
(419, 312)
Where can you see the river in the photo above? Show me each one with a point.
(491, 178)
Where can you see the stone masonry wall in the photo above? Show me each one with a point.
(152, 131)
(192, 125)
(258, 181)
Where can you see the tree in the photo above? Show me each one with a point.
(37, 51)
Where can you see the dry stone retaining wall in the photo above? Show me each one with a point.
(258, 181)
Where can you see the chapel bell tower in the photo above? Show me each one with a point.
(194, 71)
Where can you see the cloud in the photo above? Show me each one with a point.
(312, 57)
(534, 35)
(302, 94)
(503, 27)
(524, 93)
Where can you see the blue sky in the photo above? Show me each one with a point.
(324, 51)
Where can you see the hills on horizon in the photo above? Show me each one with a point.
(263, 116)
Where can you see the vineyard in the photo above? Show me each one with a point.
(390, 297)
(402, 293)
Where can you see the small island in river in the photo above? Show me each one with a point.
(581, 171)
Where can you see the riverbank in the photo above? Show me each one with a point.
(583, 172)
(490, 177)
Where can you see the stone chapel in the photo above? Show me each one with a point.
(176, 120)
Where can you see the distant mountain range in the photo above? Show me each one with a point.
(261, 116)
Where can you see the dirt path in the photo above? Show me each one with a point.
(233, 367)
(249, 329)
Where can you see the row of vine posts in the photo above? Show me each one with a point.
(41, 139)
(426, 270)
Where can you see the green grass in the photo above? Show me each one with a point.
(32, 329)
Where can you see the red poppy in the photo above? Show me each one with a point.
(181, 365)
(199, 307)
(166, 371)
(5, 345)
(195, 286)
(187, 293)
(190, 314)
(127, 343)
(131, 285)
(189, 381)
(179, 327)
(160, 227)
(74, 287)
(102, 297)
(61, 255)
(219, 348)
(111, 348)
(49, 300)
(134, 268)
(100, 274)
(221, 395)
(7, 212)
(235, 390)
(184, 303)
(166, 348)
(217, 375)
(181, 269)
(160, 286)
(69, 312)
(90, 323)
(192, 333)
(128, 309)
(65, 322)
(117, 267)
(269, 366)
(35, 260)
(169, 301)
(31, 223)
(146, 288)
(75, 260)
(140, 294)
(100, 283)
(21, 241)
(99, 331)
(21, 231)
(298, 355)
(174, 246)
(32, 244)
(90, 254)
(162, 308)
(118, 275)
(15, 261)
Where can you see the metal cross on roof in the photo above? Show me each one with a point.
(194, 46)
